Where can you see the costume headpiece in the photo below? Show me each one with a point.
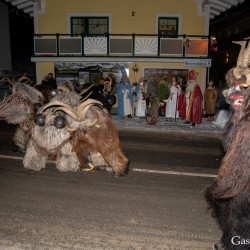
(192, 75)
(108, 80)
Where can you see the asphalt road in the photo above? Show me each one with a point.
(158, 205)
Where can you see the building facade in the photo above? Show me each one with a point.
(230, 26)
(161, 38)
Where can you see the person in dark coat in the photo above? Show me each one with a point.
(48, 84)
(103, 93)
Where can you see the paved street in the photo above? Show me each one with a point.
(158, 205)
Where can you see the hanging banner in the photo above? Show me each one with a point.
(86, 73)
(190, 63)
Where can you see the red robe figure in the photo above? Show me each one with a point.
(192, 101)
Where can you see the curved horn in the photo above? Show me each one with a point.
(70, 86)
(90, 101)
(85, 90)
(83, 108)
(87, 96)
(69, 112)
(7, 79)
(25, 78)
(243, 60)
(70, 129)
(240, 56)
(246, 73)
(88, 124)
(63, 89)
(91, 123)
(54, 103)
(4, 80)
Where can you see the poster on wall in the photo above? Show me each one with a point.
(164, 74)
(87, 73)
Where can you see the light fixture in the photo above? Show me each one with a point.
(133, 15)
(186, 41)
(213, 44)
(227, 57)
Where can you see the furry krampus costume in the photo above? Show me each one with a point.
(233, 95)
(67, 129)
(19, 109)
(229, 195)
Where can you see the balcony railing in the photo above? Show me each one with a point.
(128, 45)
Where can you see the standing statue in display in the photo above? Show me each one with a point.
(210, 98)
(141, 101)
(172, 112)
(192, 101)
(125, 98)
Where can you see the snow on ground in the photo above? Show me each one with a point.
(140, 124)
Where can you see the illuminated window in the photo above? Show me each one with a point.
(168, 26)
(89, 25)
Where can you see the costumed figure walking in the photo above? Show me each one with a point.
(109, 93)
(192, 101)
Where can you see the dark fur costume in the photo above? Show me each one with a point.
(230, 127)
(228, 133)
(228, 196)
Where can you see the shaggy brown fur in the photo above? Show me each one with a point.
(234, 173)
(18, 109)
(70, 147)
(48, 140)
(228, 196)
(102, 138)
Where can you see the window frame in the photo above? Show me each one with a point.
(177, 17)
(165, 26)
(86, 23)
(85, 14)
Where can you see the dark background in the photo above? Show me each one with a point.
(21, 40)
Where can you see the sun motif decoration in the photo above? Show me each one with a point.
(95, 45)
(146, 46)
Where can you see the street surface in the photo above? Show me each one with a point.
(158, 205)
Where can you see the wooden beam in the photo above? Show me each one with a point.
(217, 7)
(28, 10)
(232, 2)
(215, 12)
(21, 6)
(18, 2)
(220, 3)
